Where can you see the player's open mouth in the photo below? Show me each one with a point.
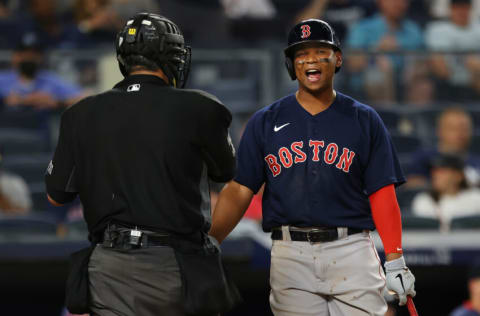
(313, 75)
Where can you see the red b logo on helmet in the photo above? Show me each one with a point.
(305, 31)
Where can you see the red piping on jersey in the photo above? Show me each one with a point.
(387, 218)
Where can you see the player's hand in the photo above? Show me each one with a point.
(399, 279)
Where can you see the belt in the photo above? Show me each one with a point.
(124, 237)
(314, 235)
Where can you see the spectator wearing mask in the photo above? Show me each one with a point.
(454, 132)
(26, 85)
(389, 31)
(472, 306)
(450, 195)
(460, 33)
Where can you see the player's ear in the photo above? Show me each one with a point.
(339, 59)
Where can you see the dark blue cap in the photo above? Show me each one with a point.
(312, 30)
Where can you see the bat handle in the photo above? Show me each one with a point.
(411, 306)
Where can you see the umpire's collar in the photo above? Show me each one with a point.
(132, 79)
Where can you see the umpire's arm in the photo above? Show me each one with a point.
(217, 148)
(60, 178)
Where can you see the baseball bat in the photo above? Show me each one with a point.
(411, 306)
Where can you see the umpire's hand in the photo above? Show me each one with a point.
(399, 279)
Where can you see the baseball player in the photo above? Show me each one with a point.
(330, 171)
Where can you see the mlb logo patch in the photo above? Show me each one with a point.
(133, 87)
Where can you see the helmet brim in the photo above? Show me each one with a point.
(290, 50)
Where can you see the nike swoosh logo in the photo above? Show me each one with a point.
(401, 280)
(276, 129)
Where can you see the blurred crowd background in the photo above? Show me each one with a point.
(416, 62)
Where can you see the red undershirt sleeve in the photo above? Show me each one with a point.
(387, 218)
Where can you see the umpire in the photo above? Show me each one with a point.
(140, 156)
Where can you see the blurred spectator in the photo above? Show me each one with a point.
(454, 133)
(101, 19)
(254, 20)
(472, 306)
(450, 195)
(259, 9)
(9, 19)
(53, 28)
(15, 198)
(419, 11)
(387, 32)
(14, 195)
(27, 86)
(459, 34)
(340, 14)
(419, 84)
(8, 8)
(440, 9)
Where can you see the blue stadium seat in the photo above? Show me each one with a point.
(390, 118)
(39, 198)
(16, 227)
(30, 167)
(22, 119)
(76, 229)
(406, 144)
(465, 222)
(14, 141)
(412, 222)
(405, 197)
(475, 144)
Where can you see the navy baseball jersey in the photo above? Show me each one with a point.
(318, 169)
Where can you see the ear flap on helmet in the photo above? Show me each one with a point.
(290, 68)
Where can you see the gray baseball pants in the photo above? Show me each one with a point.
(338, 278)
(144, 282)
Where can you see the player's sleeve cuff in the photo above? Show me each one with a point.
(397, 182)
(251, 186)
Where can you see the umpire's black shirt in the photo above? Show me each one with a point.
(141, 154)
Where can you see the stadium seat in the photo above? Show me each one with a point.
(412, 222)
(23, 119)
(390, 119)
(16, 141)
(30, 167)
(27, 226)
(76, 229)
(475, 144)
(405, 197)
(39, 199)
(465, 222)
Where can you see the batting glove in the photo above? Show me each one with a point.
(399, 279)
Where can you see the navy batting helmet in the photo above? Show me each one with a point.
(312, 30)
(154, 38)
